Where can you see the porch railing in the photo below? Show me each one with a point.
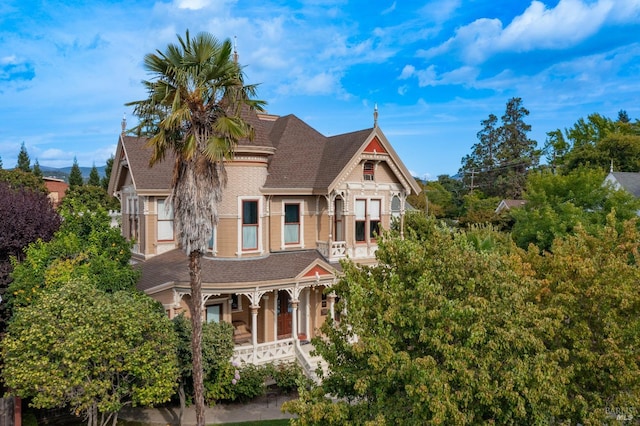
(281, 350)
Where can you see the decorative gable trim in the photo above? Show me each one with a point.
(316, 269)
(375, 147)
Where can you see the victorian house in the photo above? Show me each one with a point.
(296, 203)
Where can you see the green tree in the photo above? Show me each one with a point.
(438, 332)
(24, 163)
(104, 182)
(500, 161)
(36, 169)
(556, 204)
(17, 178)
(85, 247)
(590, 281)
(89, 197)
(94, 177)
(0, 163)
(217, 349)
(27, 216)
(194, 108)
(93, 352)
(75, 176)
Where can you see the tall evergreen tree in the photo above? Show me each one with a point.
(0, 163)
(75, 176)
(499, 162)
(94, 177)
(107, 174)
(24, 163)
(36, 169)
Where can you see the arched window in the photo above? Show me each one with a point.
(395, 206)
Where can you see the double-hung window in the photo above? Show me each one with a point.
(368, 171)
(367, 220)
(165, 220)
(249, 225)
(374, 219)
(361, 220)
(292, 223)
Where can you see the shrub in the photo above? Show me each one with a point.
(250, 385)
(288, 376)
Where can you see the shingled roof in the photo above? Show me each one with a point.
(146, 177)
(629, 181)
(173, 267)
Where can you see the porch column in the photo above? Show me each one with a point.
(331, 298)
(294, 319)
(254, 326)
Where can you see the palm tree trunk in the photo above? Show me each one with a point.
(196, 335)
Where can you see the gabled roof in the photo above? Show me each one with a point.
(302, 159)
(173, 267)
(132, 157)
(629, 181)
(307, 160)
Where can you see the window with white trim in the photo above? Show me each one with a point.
(250, 225)
(292, 223)
(374, 219)
(368, 170)
(165, 220)
(361, 220)
(214, 313)
(367, 219)
(395, 206)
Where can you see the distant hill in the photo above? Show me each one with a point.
(63, 172)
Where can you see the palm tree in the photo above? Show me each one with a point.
(194, 108)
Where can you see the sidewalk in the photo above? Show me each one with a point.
(263, 408)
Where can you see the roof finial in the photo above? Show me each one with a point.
(375, 115)
(235, 49)
(124, 122)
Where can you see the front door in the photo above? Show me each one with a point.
(284, 315)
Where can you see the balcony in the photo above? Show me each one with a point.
(336, 250)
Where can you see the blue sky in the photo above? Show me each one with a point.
(434, 68)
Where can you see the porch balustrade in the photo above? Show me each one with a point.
(263, 353)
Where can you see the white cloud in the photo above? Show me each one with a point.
(538, 27)
(9, 60)
(389, 9)
(192, 4)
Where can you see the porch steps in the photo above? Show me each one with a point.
(311, 363)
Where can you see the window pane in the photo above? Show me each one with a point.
(361, 209)
(359, 231)
(249, 212)
(374, 228)
(395, 204)
(165, 210)
(374, 209)
(213, 313)
(292, 213)
(249, 237)
(165, 230)
(291, 234)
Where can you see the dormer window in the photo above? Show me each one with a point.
(368, 170)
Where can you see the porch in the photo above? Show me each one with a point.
(286, 350)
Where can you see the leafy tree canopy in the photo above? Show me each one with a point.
(463, 327)
(596, 142)
(88, 197)
(17, 178)
(439, 333)
(85, 247)
(91, 351)
(556, 204)
(104, 182)
(27, 216)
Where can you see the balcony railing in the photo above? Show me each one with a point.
(335, 250)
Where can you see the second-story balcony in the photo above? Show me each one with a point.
(336, 250)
